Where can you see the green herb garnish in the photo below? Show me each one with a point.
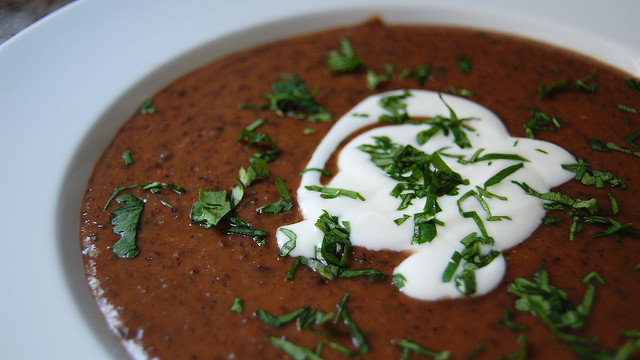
(446, 125)
(241, 227)
(284, 204)
(210, 208)
(464, 64)
(322, 171)
(420, 74)
(374, 80)
(310, 319)
(146, 107)
(465, 281)
(126, 156)
(459, 92)
(396, 108)
(548, 91)
(420, 176)
(599, 145)
(631, 138)
(398, 280)
(344, 61)
(249, 136)
(332, 193)
(628, 109)
(507, 320)
(596, 178)
(236, 307)
(331, 257)
(540, 121)
(291, 98)
(154, 187)
(409, 346)
(633, 84)
(125, 223)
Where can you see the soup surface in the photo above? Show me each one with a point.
(175, 298)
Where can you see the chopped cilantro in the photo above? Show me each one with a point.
(586, 84)
(446, 125)
(420, 74)
(548, 91)
(597, 178)
(291, 98)
(249, 136)
(308, 318)
(507, 320)
(344, 61)
(398, 280)
(628, 109)
(599, 145)
(154, 187)
(236, 307)
(284, 204)
(331, 257)
(126, 156)
(125, 223)
(322, 171)
(464, 64)
(631, 138)
(146, 107)
(409, 346)
(419, 175)
(396, 108)
(210, 208)
(374, 80)
(332, 193)
(540, 121)
(460, 92)
(633, 84)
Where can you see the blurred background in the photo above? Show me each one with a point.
(16, 15)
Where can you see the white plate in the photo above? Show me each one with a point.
(69, 81)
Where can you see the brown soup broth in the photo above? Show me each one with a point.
(174, 298)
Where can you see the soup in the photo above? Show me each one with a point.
(179, 280)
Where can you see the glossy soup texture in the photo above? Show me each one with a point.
(173, 300)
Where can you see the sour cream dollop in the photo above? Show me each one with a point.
(372, 220)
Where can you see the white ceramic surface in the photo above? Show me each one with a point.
(70, 80)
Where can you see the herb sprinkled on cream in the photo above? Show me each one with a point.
(458, 190)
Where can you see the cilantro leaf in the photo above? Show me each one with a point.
(332, 193)
(464, 64)
(236, 307)
(420, 74)
(283, 205)
(249, 136)
(446, 125)
(540, 121)
(306, 317)
(551, 303)
(290, 97)
(409, 346)
(593, 177)
(599, 145)
(374, 80)
(331, 257)
(210, 208)
(147, 107)
(125, 223)
(633, 84)
(344, 61)
(548, 91)
(396, 108)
